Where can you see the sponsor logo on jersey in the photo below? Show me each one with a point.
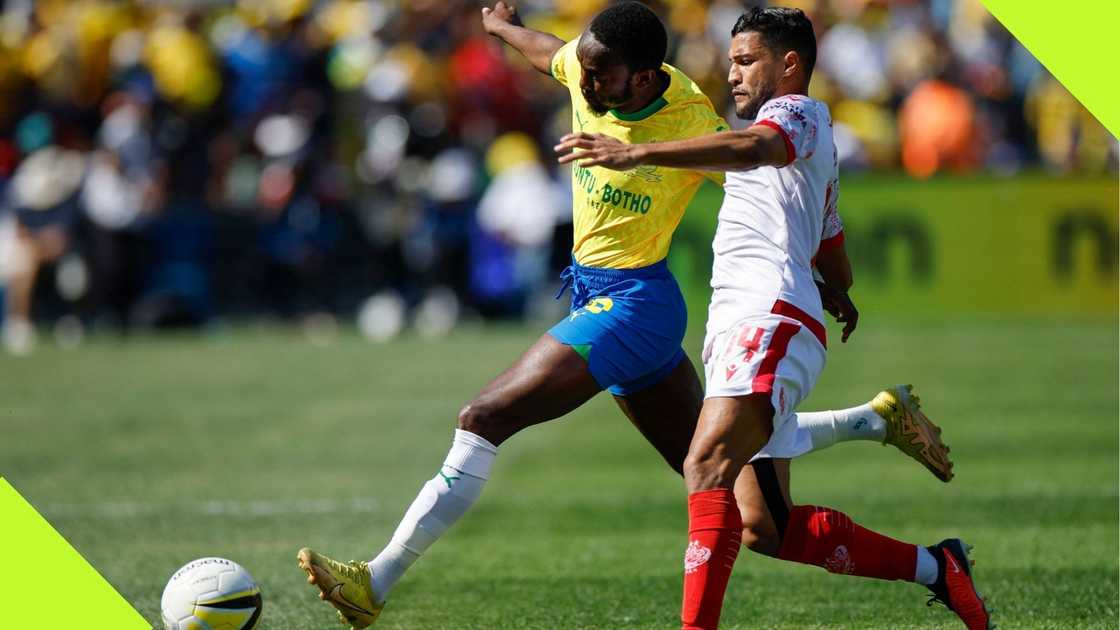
(624, 199)
(584, 180)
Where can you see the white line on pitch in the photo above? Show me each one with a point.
(259, 507)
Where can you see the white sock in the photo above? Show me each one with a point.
(826, 428)
(925, 572)
(441, 502)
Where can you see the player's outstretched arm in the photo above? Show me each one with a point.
(726, 151)
(539, 48)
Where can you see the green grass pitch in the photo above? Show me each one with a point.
(251, 444)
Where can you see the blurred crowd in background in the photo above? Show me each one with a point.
(186, 163)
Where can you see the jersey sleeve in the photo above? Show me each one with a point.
(716, 124)
(795, 120)
(703, 120)
(564, 63)
(832, 233)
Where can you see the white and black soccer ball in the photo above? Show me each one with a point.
(211, 594)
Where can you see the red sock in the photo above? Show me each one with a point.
(715, 531)
(829, 539)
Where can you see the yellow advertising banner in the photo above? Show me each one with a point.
(981, 245)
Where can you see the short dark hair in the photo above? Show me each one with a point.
(782, 30)
(632, 32)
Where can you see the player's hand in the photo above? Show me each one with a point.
(596, 149)
(840, 306)
(494, 19)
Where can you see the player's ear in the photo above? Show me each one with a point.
(791, 61)
(642, 78)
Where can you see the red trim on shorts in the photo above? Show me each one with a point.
(775, 351)
(791, 153)
(832, 242)
(785, 309)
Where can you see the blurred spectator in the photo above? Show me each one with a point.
(937, 124)
(43, 199)
(1067, 135)
(516, 219)
(120, 191)
(173, 162)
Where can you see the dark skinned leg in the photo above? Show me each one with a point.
(549, 380)
(666, 413)
(760, 532)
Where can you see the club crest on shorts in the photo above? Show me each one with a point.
(695, 556)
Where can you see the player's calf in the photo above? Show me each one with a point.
(760, 534)
(763, 496)
(442, 501)
(714, 538)
(830, 539)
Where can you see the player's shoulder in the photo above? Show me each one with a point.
(683, 91)
(688, 107)
(795, 105)
(563, 62)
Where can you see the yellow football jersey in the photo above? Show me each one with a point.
(625, 220)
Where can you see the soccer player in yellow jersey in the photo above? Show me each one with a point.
(627, 318)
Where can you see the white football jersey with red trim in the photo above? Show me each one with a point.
(774, 220)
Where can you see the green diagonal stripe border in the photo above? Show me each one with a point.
(1077, 43)
(46, 583)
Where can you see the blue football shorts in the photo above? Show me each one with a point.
(627, 323)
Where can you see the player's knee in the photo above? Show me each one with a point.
(705, 469)
(481, 418)
(475, 418)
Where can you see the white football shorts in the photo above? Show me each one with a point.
(767, 353)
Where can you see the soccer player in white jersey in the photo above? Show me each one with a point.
(765, 342)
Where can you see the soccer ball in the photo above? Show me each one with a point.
(211, 594)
